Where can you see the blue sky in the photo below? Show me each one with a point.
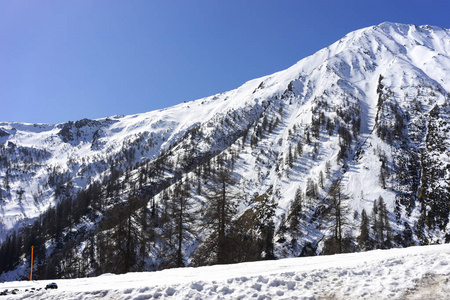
(68, 60)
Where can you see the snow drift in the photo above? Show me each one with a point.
(410, 273)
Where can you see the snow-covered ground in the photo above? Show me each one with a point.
(411, 273)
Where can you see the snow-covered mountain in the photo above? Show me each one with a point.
(347, 150)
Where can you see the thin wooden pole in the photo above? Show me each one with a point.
(31, 272)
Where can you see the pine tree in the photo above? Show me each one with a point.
(146, 234)
(290, 158)
(337, 217)
(330, 126)
(381, 224)
(328, 169)
(321, 179)
(336, 197)
(376, 222)
(220, 209)
(264, 211)
(121, 251)
(384, 215)
(182, 213)
(364, 235)
(299, 148)
(311, 189)
(383, 175)
(295, 212)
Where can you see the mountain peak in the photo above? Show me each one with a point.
(401, 28)
(387, 24)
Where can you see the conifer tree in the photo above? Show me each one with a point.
(381, 224)
(299, 148)
(295, 212)
(337, 216)
(290, 158)
(220, 209)
(183, 218)
(364, 235)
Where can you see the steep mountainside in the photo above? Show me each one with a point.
(347, 150)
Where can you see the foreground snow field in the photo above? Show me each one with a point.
(411, 273)
(365, 119)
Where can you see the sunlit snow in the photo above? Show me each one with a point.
(411, 273)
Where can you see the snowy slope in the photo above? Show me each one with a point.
(84, 150)
(370, 111)
(410, 273)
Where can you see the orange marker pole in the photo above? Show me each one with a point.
(31, 273)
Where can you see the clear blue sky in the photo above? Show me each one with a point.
(74, 59)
